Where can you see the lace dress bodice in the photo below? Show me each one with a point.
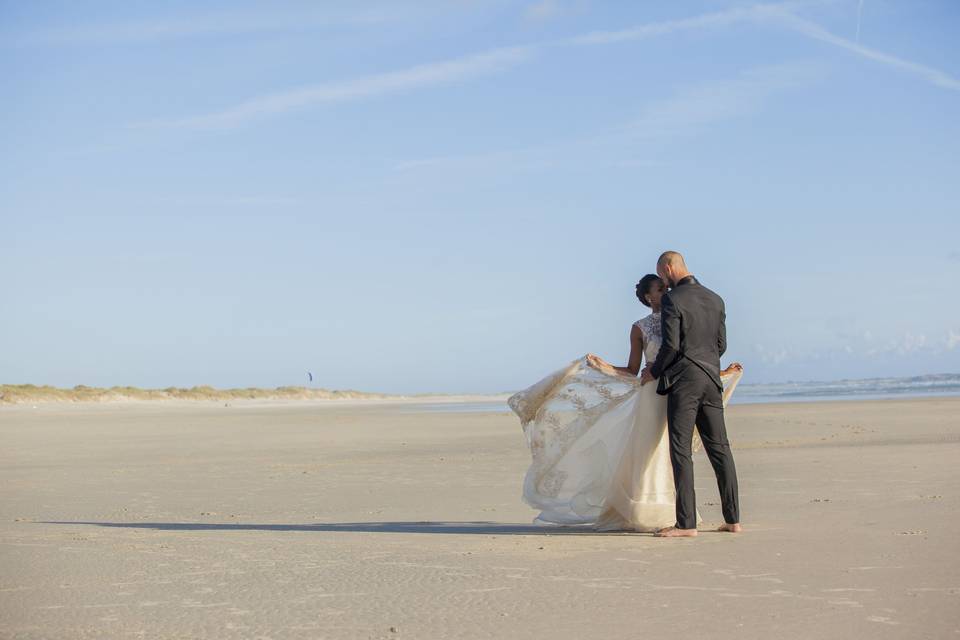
(650, 327)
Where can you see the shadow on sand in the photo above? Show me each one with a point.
(476, 527)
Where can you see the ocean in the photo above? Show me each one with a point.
(943, 384)
(936, 385)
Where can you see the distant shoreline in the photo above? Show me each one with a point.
(932, 385)
(18, 394)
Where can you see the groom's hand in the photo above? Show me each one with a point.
(646, 376)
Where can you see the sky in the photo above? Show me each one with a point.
(461, 196)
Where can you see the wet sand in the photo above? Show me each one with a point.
(312, 520)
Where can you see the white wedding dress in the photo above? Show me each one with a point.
(599, 445)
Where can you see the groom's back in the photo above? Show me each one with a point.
(702, 326)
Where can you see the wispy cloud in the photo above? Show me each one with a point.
(914, 344)
(688, 111)
(193, 26)
(708, 102)
(655, 29)
(783, 14)
(428, 74)
(869, 349)
(418, 76)
(543, 10)
(909, 343)
(953, 340)
(775, 355)
(501, 59)
(815, 31)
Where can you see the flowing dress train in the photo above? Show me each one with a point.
(600, 452)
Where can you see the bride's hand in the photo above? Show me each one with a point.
(600, 364)
(646, 376)
(734, 366)
(596, 360)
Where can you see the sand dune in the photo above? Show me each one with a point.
(44, 394)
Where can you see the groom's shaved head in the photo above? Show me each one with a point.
(671, 268)
(671, 259)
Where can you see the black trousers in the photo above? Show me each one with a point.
(694, 399)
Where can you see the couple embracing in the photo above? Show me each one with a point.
(612, 451)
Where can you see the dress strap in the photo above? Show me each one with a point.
(650, 326)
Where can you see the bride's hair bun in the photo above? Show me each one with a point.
(644, 286)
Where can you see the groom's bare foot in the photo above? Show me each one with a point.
(674, 532)
(732, 528)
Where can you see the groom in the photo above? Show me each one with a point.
(694, 337)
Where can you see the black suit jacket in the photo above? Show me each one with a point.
(694, 333)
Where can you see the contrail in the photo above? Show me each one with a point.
(859, 11)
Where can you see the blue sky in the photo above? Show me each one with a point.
(460, 196)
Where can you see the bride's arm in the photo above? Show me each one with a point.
(636, 354)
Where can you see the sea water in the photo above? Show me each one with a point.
(937, 385)
(945, 384)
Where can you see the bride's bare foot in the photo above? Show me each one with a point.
(732, 528)
(673, 532)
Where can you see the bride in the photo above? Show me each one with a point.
(598, 439)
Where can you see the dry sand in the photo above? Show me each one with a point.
(305, 520)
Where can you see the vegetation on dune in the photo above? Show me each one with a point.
(24, 393)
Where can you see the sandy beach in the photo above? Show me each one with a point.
(312, 520)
